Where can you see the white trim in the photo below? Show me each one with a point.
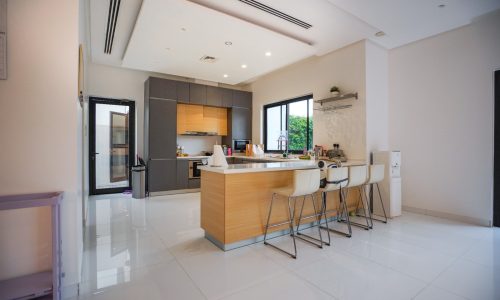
(440, 214)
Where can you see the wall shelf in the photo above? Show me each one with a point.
(333, 108)
(337, 98)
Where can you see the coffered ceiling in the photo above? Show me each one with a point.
(172, 36)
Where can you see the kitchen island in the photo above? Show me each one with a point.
(235, 200)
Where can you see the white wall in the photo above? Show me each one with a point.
(39, 133)
(344, 68)
(377, 98)
(441, 118)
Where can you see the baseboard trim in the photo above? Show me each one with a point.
(440, 214)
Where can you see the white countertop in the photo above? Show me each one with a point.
(261, 167)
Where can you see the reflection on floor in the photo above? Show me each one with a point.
(154, 249)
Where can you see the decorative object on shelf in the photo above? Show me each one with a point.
(334, 91)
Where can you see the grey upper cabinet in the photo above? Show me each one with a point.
(162, 129)
(197, 94)
(182, 92)
(242, 99)
(241, 123)
(214, 96)
(162, 88)
(182, 174)
(162, 175)
(227, 97)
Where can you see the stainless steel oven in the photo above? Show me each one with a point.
(194, 172)
(240, 145)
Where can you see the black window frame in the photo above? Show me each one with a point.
(287, 102)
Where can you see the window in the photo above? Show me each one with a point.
(293, 115)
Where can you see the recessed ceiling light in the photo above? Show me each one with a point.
(244, 66)
(225, 76)
(228, 43)
(268, 53)
(441, 5)
(380, 33)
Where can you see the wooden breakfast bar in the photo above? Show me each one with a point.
(235, 200)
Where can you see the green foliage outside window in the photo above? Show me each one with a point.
(297, 129)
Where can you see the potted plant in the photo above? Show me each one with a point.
(334, 91)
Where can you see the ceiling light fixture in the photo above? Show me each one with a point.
(228, 43)
(225, 76)
(441, 5)
(379, 34)
(243, 66)
(268, 53)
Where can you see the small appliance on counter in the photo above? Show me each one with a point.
(336, 153)
(240, 146)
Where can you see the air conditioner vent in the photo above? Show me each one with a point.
(114, 8)
(277, 13)
(208, 59)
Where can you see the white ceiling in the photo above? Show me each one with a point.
(150, 37)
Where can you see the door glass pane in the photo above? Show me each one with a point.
(273, 127)
(297, 125)
(112, 146)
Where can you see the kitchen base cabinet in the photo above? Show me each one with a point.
(182, 174)
(194, 183)
(162, 175)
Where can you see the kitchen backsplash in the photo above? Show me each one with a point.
(195, 145)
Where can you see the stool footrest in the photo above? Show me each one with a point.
(278, 248)
(302, 235)
(277, 224)
(336, 231)
(356, 224)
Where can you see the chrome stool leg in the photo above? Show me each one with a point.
(381, 202)
(367, 226)
(290, 222)
(305, 237)
(340, 211)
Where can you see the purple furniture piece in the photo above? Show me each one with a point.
(42, 283)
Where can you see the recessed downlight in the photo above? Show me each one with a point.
(268, 53)
(228, 43)
(243, 66)
(225, 76)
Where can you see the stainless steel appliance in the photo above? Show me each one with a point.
(240, 145)
(194, 172)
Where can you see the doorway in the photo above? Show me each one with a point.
(111, 145)
(496, 151)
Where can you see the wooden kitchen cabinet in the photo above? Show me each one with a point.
(201, 118)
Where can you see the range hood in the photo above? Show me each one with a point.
(200, 133)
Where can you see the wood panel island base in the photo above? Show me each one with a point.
(235, 201)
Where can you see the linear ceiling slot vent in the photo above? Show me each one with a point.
(114, 8)
(277, 13)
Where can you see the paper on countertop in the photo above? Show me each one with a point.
(218, 159)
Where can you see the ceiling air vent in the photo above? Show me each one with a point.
(114, 8)
(277, 13)
(208, 59)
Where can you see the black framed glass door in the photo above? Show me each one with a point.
(111, 145)
(496, 151)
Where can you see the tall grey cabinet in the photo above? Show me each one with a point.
(160, 134)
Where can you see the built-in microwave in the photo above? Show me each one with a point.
(240, 145)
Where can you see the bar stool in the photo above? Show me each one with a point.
(357, 179)
(335, 180)
(376, 175)
(305, 183)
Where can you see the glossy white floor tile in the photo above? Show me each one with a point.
(155, 249)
